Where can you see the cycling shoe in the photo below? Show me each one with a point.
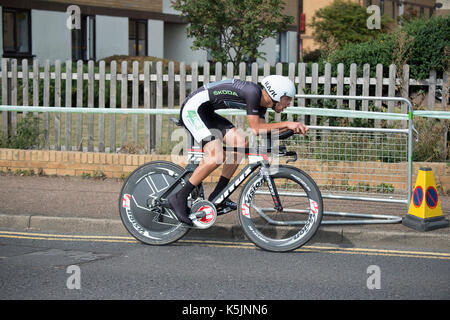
(180, 209)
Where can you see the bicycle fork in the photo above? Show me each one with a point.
(265, 170)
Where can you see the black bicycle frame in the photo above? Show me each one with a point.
(237, 181)
(234, 184)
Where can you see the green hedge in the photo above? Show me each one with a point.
(428, 50)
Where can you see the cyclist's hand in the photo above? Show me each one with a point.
(297, 127)
(303, 128)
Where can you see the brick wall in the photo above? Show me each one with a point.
(63, 163)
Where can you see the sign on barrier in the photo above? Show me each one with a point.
(425, 212)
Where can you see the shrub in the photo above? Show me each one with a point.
(27, 136)
(373, 52)
(312, 56)
(431, 38)
(428, 49)
(427, 148)
(343, 22)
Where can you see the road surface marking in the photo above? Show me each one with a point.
(228, 244)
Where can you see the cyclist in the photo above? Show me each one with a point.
(210, 129)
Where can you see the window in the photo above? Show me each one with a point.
(137, 37)
(83, 40)
(16, 32)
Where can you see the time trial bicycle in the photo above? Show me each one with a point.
(280, 208)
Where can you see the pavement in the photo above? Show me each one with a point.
(74, 205)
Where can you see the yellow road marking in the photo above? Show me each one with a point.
(229, 244)
(66, 239)
(66, 235)
(361, 251)
(385, 250)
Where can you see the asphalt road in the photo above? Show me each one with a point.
(58, 266)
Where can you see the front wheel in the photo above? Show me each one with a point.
(295, 224)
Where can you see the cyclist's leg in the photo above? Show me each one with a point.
(214, 157)
(217, 127)
(196, 120)
(232, 138)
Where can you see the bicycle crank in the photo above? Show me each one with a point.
(203, 214)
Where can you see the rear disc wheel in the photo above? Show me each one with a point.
(140, 214)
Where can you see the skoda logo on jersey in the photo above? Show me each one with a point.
(224, 92)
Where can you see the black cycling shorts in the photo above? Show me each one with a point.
(202, 122)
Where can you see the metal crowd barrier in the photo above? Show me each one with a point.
(364, 218)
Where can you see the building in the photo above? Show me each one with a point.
(95, 29)
(44, 28)
(443, 7)
(391, 8)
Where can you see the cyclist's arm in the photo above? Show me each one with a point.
(259, 125)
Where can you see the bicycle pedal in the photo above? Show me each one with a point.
(200, 215)
(203, 214)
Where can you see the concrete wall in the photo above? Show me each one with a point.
(50, 37)
(167, 7)
(178, 47)
(111, 36)
(156, 38)
(268, 46)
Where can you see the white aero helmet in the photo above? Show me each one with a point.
(278, 86)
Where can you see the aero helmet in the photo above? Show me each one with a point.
(278, 86)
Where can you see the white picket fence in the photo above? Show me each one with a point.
(154, 88)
